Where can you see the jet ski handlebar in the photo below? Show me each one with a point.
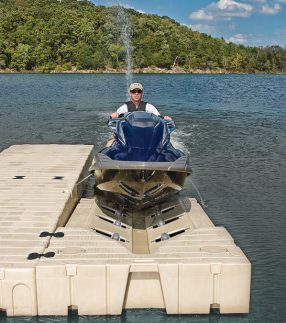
(112, 122)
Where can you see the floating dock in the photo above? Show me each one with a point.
(61, 252)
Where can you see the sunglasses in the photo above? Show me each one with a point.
(136, 91)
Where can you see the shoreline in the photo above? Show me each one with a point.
(147, 70)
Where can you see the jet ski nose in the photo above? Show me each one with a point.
(142, 175)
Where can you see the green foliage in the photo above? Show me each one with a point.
(43, 35)
(3, 60)
(21, 58)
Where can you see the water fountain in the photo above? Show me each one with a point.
(123, 21)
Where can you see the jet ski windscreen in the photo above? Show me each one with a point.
(142, 130)
(142, 136)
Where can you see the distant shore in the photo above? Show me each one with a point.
(145, 70)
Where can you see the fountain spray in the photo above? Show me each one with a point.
(126, 39)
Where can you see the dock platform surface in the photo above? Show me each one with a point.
(189, 273)
(38, 193)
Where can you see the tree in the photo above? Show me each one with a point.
(84, 55)
(21, 58)
(3, 61)
(41, 34)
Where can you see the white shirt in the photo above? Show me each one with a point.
(149, 108)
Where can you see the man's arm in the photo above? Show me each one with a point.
(121, 110)
(151, 109)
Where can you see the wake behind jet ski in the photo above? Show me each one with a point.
(141, 167)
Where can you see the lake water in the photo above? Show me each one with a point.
(232, 126)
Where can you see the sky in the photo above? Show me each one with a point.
(246, 22)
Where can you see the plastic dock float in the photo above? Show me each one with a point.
(38, 193)
(98, 265)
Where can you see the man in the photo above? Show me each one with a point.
(136, 103)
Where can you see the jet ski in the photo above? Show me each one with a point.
(141, 168)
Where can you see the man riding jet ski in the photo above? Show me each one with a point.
(135, 104)
(141, 167)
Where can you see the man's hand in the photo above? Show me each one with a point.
(114, 115)
(167, 118)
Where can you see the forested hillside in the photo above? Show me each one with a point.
(45, 35)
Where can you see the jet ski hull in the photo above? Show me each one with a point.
(140, 184)
(142, 167)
